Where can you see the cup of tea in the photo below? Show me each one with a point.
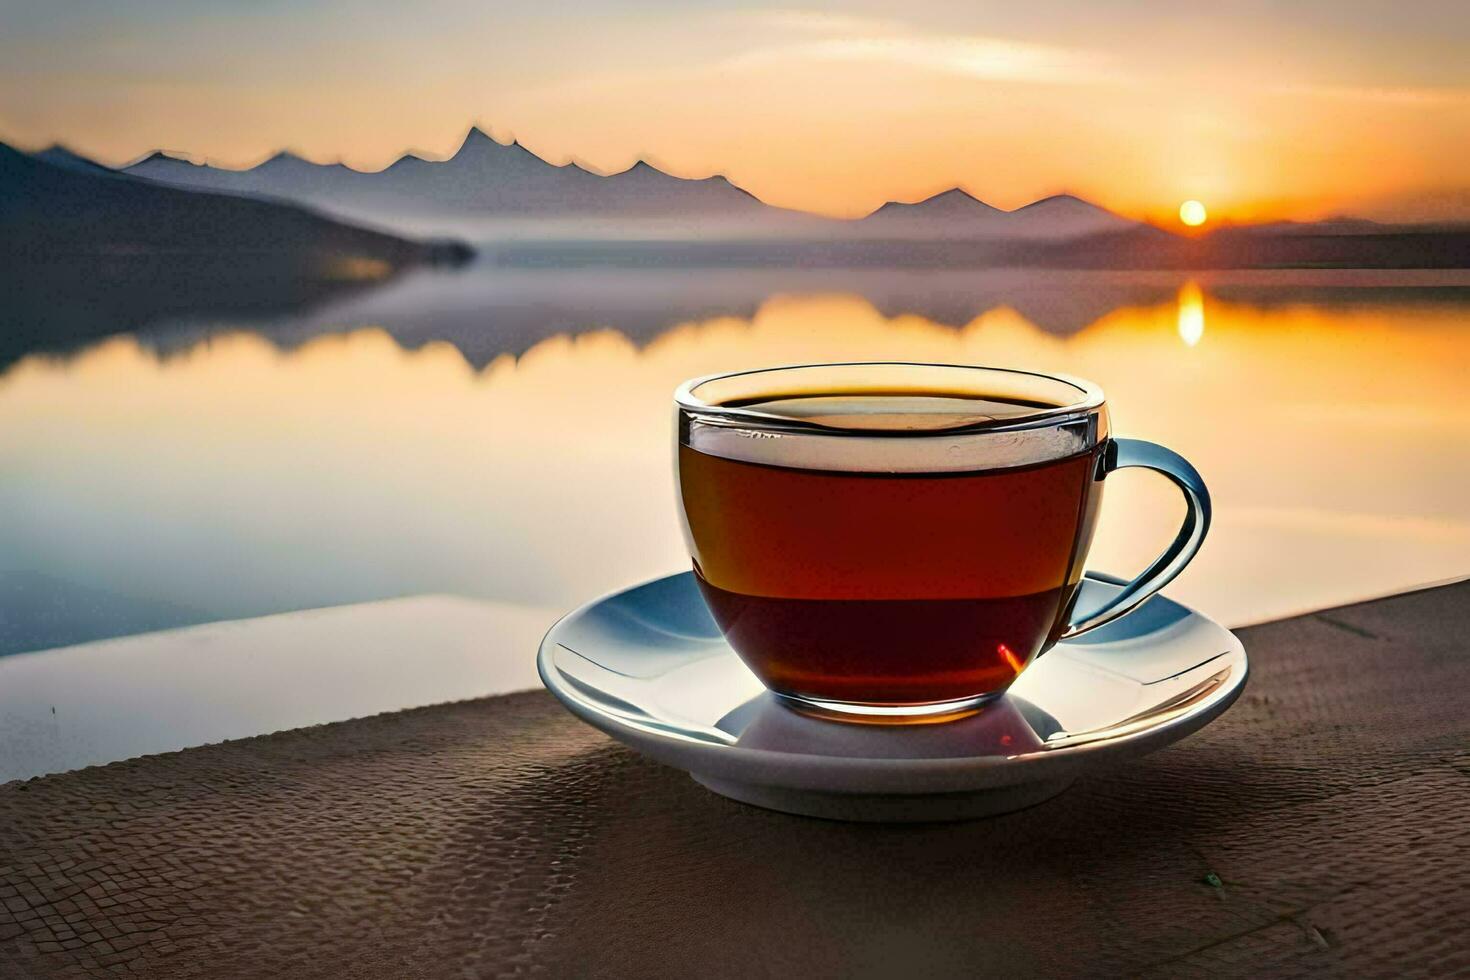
(897, 542)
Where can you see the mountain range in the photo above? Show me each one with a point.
(528, 211)
(490, 180)
(56, 204)
(957, 214)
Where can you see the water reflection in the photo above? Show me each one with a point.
(314, 460)
(492, 311)
(1191, 313)
(488, 310)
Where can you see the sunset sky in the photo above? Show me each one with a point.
(1259, 109)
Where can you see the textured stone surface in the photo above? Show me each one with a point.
(502, 838)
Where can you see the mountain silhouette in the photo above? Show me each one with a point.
(957, 214)
(48, 209)
(948, 213)
(1064, 216)
(484, 177)
(539, 213)
(60, 156)
(488, 178)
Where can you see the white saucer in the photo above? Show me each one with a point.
(649, 667)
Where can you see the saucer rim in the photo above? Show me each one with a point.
(913, 775)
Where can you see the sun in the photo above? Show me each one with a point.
(1193, 213)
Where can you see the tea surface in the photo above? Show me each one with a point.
(893, 410)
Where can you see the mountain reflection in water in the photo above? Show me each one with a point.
(505, 433)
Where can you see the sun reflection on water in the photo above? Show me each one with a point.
(1191, 313)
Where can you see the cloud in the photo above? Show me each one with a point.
(1385, 94)
(970, 56)
(823, 22)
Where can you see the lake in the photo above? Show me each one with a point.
(504, 432)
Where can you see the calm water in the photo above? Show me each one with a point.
(505, 433)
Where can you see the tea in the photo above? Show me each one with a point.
(877, 587)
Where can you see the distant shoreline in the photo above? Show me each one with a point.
(1128, 251)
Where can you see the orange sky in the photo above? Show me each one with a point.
(1256, 112)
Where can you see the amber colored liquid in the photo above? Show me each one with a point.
(881, 588)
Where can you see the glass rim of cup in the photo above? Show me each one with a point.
(1090, 400)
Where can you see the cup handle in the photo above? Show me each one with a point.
(1137, 452)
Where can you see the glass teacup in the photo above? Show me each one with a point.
(894, 541)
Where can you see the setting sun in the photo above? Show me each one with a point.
(1193, 213)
